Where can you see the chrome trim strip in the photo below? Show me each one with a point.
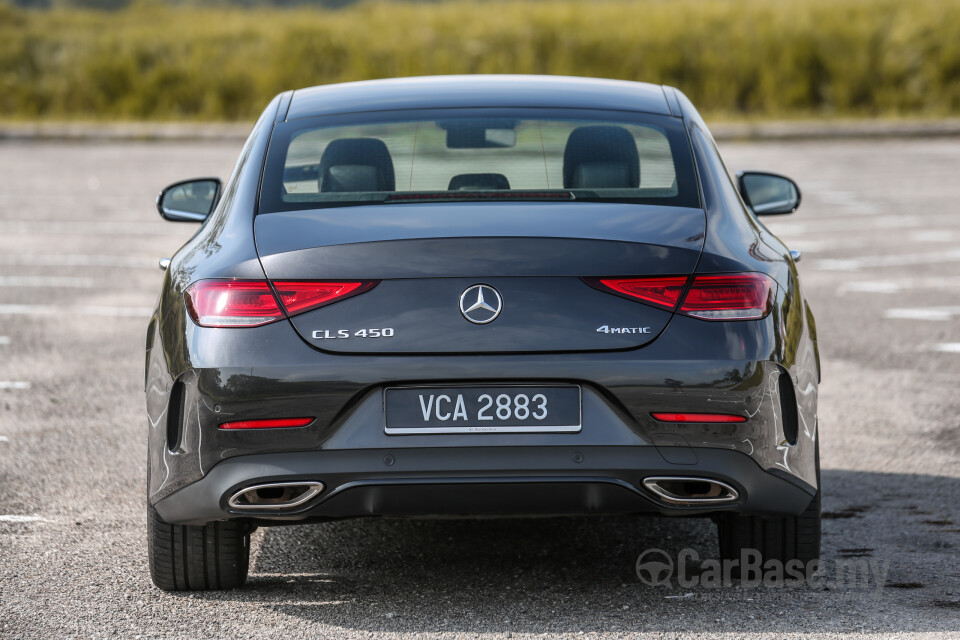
(505, 429)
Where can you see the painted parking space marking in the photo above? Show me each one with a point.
(851, 203)
(822, 245)
(933, 235)
(945, 347)
(13, 384)
(84, 227)
(898, 285)
(15, 519)
(51, 309)
(935, 314)
(4, 340)
(57, 282)
(77, 260)
(835, 225)
(901, 260)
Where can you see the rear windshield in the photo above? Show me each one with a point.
(450, 155)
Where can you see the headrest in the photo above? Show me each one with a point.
(356, 164)
(479, 181)
(601, 157)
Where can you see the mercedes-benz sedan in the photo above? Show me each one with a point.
(478, 296)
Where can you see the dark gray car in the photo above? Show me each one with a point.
(479, 296)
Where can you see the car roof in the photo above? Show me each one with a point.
(478, 91)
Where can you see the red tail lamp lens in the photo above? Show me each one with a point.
(739, 296)
(742, 296)
(298, 297)
(240, 303)
(231, 303)
(697, 417)
(270, 423)
(662, 292)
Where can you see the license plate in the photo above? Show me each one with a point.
(513, 409)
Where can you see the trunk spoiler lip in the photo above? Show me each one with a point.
(669, 226)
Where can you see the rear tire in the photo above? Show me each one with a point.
(783, 539)
(194, 558)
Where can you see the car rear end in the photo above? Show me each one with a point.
(468, 312)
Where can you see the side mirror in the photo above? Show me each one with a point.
(768, 194)
(190, 200)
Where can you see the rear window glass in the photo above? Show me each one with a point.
(460, 154)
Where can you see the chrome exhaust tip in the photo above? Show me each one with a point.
(690, 491)
(275, 495)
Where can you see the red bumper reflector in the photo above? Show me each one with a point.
(269, 423)
(697, 417)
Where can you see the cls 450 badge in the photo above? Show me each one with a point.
(343, 334)
(607, 329)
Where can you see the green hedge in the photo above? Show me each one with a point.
(734, 58)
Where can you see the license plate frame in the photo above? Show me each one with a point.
(408, 418)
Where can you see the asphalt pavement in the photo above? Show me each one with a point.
(879, 229)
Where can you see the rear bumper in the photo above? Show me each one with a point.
(267, 372)
(481, 481)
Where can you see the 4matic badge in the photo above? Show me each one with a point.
(607, 329)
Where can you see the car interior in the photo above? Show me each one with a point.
(595, 157)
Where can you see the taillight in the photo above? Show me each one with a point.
(244, 303)
(268, 423)
(298, 297)
(743, 296)
(662, 292)
(697, 417)
(232, 303)
(740, 296)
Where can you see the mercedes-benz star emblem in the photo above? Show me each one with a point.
(481, 304)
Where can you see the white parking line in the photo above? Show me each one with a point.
(834, 225)
(870, 286)
(20, 519)
(932, 235)
(73, 227)
(4, 340)
(13, 384)
(52, 309)
(897, 285)
(66, 282)
(850, 202)
(809, 245)
(76, 260)
(936, 314)
(946, 347)
(862, 262)
(4, 439)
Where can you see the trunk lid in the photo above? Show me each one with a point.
(427, 257)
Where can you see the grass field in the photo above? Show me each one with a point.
(743, 58)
